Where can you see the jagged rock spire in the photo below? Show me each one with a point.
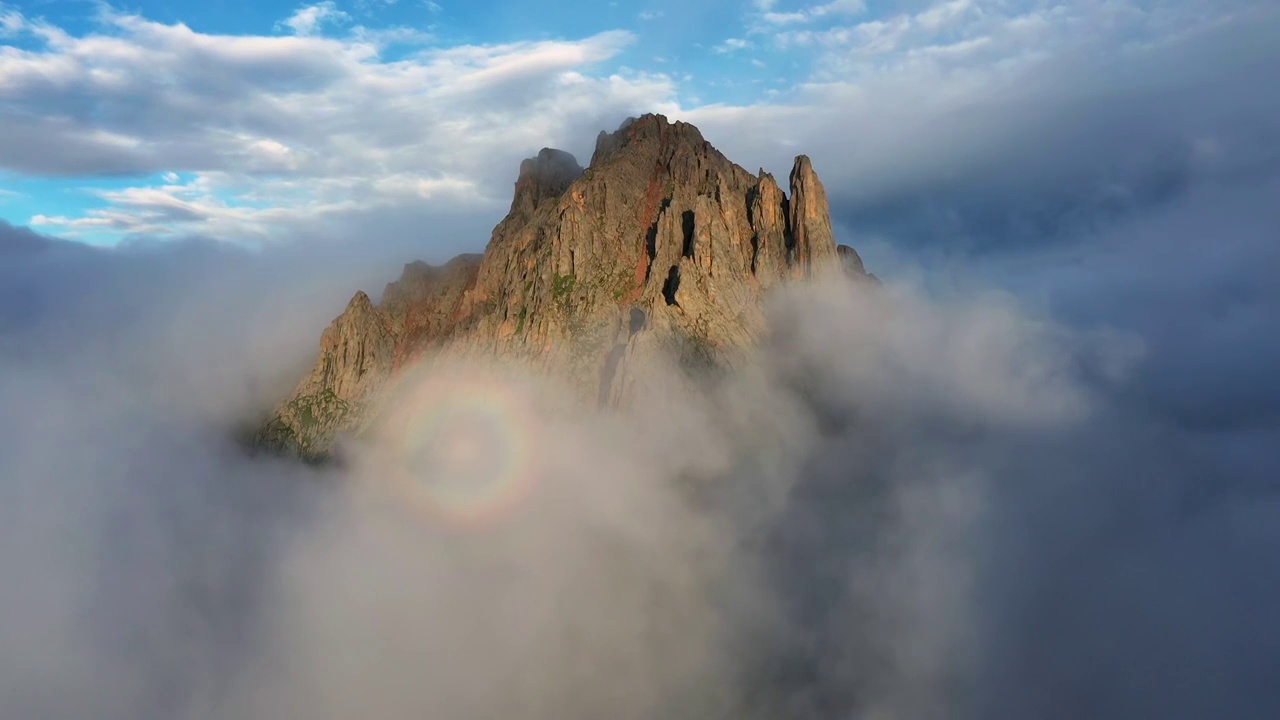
(813, 243)
(663, 245)
(544, 176)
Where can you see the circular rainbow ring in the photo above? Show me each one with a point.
(463, 449)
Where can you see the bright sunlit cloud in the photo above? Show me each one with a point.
(333, 109)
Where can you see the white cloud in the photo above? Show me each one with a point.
(398, 35)
(254, 210)
(11, 22)
(300, 132)
(828, 9)
(873, 37)
(62, 220)
(1064, 101)
(1009, 33)
(1020, 98)
(291, 130)
(651, 14)
(310, 19)
(731, 45)
(943, 14)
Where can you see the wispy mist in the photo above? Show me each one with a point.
(913, 502)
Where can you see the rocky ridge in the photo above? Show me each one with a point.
(660, 245)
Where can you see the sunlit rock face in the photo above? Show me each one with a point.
(662, 246)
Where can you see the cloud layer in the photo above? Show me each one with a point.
(974, 126)
(950, 119)
(913, 503)
(279, 134)
(1032, 477)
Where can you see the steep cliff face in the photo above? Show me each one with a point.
(361, 349)
(814, 244)
(661, 245)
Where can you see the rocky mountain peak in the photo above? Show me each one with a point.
(813, 241)
(661, 246)
(546, 175)
(359, 303)
(851, 262)
(648, 127)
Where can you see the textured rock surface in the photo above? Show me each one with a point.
(661, 245)
(850, 261)
(361, 349)
(814, 243)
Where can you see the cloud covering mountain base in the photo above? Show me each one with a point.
(904, 507)
(936, 501)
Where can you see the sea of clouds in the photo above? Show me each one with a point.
(938, 498)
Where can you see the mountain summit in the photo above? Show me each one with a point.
(661, 245)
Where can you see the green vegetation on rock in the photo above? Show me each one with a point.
(562, 286)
